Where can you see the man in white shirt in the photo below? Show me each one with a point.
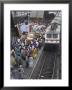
(24, 28)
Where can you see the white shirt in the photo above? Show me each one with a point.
(24, 28)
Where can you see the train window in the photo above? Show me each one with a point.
(55, 35)
(54, 26)
(48, 35)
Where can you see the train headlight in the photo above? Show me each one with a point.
(57, 41)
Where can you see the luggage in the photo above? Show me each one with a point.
(30, 62)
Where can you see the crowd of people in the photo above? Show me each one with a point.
(25, 50)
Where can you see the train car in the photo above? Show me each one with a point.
(52, 34)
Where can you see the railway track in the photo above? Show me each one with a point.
(46, 67)
(47, 70)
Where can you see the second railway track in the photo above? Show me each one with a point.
(46, 66)
(47, 71)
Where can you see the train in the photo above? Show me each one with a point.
(53, 33)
